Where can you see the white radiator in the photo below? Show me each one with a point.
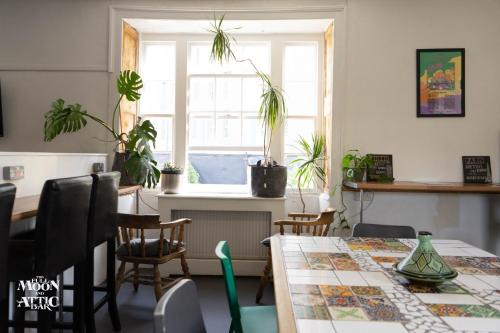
(242, 230)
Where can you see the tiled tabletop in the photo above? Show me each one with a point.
(348, 286)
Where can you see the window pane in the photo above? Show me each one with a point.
(162, 158)
(251, 92)
(163, 126)
(228, 94)
(294, 129)
(202, 94)
(201, 129)
(220, 168)
(158, 97)
(301, 98)
(158, 62)
(228, 129)
(199, 58)
(300, 62)
(252, 132)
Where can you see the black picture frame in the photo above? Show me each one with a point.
(476, 169)
(381, 169)
(419, 54)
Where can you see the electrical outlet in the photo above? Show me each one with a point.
(13, 172)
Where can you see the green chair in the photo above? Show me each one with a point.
(258, 319)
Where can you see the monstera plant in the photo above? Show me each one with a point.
(133, 152)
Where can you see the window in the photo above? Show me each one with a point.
(300, 83)
(224, 134)
(157, 103)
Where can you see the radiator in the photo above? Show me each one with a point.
(242, 230)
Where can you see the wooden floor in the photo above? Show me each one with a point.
(136, 309)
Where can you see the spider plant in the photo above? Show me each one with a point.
(140, 164)
(272, 110)
(310, 163)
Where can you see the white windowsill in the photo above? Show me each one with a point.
(217, 196)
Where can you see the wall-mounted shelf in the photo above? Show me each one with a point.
(425, 187)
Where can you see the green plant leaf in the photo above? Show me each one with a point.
(310, 163)
(129, 83)
(63, 119)
(142, 168)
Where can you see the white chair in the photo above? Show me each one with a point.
(179, 311)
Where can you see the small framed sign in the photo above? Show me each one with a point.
(381, 169)
(477, 169)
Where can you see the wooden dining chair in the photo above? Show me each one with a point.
(300, 223)
(140, 250)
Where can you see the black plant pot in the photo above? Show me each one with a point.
(119, 165)
(268, 182)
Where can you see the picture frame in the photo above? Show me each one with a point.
(441, 82)
(477, 169)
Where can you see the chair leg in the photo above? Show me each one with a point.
(157, 282)
(120, 276)
(4, 309)
(46, 318)
(79, 298)
(264, 279)
(185, 267)
(136, 277)
(89, 293)
(111, 286)
(19, 312)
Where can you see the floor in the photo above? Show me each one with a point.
(136, 308)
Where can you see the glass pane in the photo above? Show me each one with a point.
(201, 129)
(300, 62)
(252, 132)
(201, 94)
(158, 97)
(294, 129)
(219, 168)
(228, 94)
(259, 53)
(162, 158)
(199, 58)
(158, 62)
(163, 126)
(292, 179)
(251, 92)
(301, 98)
(228, 129)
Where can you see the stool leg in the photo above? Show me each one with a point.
(4, 309)
(19, 313)
(157, 282)
(264, 279)
(89, 293)
(79, 298)
(136, 277)
(45, 318)
(185, 267)
(111, 287)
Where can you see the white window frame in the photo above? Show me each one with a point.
(180, 121)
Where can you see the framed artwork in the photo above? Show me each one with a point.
(441, 83)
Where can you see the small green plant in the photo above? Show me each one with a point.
(272, 110)
(355, 164)
(310, 164)
(171, 168)
(193, 175)
(140, 164)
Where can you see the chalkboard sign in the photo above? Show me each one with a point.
(381, 169)
(477, 169)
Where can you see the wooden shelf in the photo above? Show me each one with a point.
(26, 207)
(425, 187)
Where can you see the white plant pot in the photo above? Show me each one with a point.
(170, 183)
(324, 201)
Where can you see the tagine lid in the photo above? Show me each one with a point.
(423, 261)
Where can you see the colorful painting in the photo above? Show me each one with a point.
(441, 83)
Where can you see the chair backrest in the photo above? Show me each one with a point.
(313, 224)
(103, 207)
(224, 254)
(179, 310)
(7, 197)
(61, 224)
(383, 231)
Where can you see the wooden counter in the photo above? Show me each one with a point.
(425, 187)
(26, 207)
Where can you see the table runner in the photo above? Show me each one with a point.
(347, 285)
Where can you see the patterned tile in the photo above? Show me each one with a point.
(347, 313)
(304, 299)
(343, 262)
(343, 301)
(445, 288)
(461, 310)
(367, 291)
(304, 289)
(334, 291)
(380, 309)
(311, 312)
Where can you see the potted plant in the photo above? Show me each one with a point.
(133, 154)
(170, 178)
(311, 165)
(268, 179)
(355, 165)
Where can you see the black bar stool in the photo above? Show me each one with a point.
(102, 228)
(58, 243)
(7, 197)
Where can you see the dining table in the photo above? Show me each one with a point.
(348, 285)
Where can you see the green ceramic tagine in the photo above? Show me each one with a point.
(424, 265)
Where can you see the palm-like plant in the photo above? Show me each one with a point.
(140, 164)
(310, 163)
(272, 110)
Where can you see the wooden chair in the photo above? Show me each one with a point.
(300, 223)
(144, 251)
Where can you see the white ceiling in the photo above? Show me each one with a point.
(245, 26)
